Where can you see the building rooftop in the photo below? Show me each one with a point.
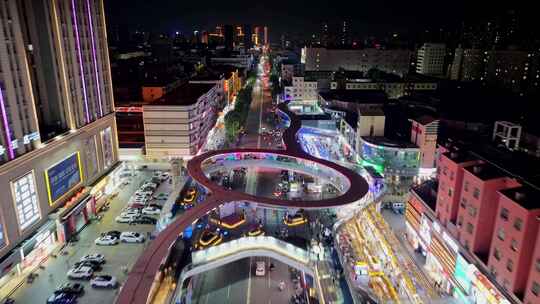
(427, 192)
(485, 171)
(390, 143)
(184, 95)
(517, 164)
(425, 119)
(355, 96)
(459, 156)
(371, 111)
(526, 196)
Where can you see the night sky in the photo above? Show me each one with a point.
(298, 17)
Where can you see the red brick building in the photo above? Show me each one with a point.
(451, 166)
(478, 203)
(532, 290)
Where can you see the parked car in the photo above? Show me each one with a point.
(95, 257)
(69, 288)
(104, 281)
(125, 218)
(155, 206)
(106, 240)
(62, 298)
(113, 233)
(83, 273)
(151, 210)
(93, 265)
(131, 237)
(144, 220)
(130, 211)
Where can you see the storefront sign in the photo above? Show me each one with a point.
(462, 273)
(450, 242)
(63, 177)
(425, 231)
(483, 291)
(436, 227)
(107, 147)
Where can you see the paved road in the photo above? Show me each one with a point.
(236, 283)
(116, 256)
(233, 283)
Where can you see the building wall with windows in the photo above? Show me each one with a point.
(450, 169)
(301, 89)
(177, 127)
(532, 289)
(395, 61)
(430, 59)
(392, 89)
(424, 132)
(18, 114)
(55, 111)
(478, 202)
(25, 203)
(516, 228)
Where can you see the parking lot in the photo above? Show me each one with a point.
(118, 257)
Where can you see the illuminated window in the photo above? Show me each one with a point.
(514, 245)
(504, 214)
(497, 254)
(26, 200)
(476, 193)
(518, 223)
(472, 211)
(501, 234)
(510, 265)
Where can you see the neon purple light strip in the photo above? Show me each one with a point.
(77, 39)
(98, 87)
(6, 126)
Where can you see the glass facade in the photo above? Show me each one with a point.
(390, 160)
(26, 200)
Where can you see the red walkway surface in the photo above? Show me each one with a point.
(141, 277)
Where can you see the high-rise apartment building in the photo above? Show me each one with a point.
(57, 127)
(256, 38)
(396, 61)
(430, 59)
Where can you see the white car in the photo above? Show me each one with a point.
(125, 218)
(151, 210)
(139, 200)
(260, 268)
(104, 281)
(131, 237)
(95, 258)
(83, 272)
(106, 240)
(130, 212)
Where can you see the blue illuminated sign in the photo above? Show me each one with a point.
(63, 177)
